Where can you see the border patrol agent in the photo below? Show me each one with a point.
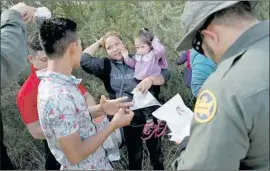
(230, 128)
(13, 56)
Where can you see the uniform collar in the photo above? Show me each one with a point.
(252, 35)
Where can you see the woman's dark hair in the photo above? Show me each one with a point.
(145, 36)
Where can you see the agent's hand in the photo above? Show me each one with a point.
(110, 107)
(122, 118)
(27, 12)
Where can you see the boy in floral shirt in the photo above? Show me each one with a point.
(63, 113)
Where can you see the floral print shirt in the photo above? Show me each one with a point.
(63, 111)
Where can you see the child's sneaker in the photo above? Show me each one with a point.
(149, 130)
(162, 126)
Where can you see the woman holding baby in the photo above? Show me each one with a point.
(120, 73)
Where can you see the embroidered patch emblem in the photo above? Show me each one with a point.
(205, 107)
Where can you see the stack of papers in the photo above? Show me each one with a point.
(178, 117)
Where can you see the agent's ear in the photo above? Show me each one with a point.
(210, 36)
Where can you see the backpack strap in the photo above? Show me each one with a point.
(188, 60)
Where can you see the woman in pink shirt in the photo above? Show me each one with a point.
(148, 61)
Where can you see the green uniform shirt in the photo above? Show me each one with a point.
(13, 46)
(230, 129)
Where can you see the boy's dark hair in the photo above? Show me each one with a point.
(145, 36)
(34, 44)
(56, 34)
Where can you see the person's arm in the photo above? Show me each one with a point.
(29, 114)
(93, 65)
(13, 41)
(158, 48)
(77, 150)
(92, 49)
(182, 58)
(13, 45)
(89, 99)
(160, 80)
(68, 133)
(159, 53)
(130, 62)
(127, 59)
(105, 106)
(87, 96)
(219, 137)
(35, 130)
(148, 82)
(109, 107)
(95, 109)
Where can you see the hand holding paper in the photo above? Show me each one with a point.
(144, 85)
(177, 116)
(142, 100)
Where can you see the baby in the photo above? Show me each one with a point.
(149, 58)
(148, 61)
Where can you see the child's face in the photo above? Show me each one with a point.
(141, 47)
(39, 61)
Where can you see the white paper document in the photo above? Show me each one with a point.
(142, 100)
(178, 117)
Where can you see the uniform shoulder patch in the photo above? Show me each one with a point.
(205, 107)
